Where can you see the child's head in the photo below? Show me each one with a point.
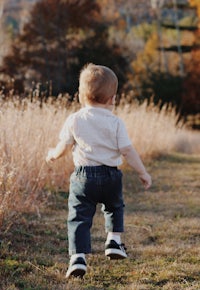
(97, 84)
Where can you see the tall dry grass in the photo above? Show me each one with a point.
(154, 131)
(28, 129)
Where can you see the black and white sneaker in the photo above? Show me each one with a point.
(77, 268)
(114, 250)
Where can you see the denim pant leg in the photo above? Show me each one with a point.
(89, 186)
(113, 204)
(80, 215)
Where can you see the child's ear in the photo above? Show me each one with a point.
(113, 100)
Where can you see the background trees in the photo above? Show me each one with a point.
(191, 93)
(60, 37)
(165, 68)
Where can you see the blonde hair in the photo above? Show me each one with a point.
(97, 84)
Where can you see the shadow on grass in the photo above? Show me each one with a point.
(179, 158)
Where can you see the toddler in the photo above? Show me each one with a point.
(99, 140)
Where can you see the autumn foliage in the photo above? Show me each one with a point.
(191, 93)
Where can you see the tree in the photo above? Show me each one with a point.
(162, 70)
(191, 94)
(54, 44)
(153, 81)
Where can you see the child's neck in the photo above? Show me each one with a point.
(106, 106)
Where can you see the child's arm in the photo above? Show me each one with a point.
(135, 162)
(57, 152)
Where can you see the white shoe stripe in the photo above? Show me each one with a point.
(74, 268)
(116, 252)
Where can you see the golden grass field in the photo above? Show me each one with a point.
(162, 225)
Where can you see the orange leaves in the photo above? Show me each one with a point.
(195, 3)
(148, 57)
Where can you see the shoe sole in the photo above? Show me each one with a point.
(115, 254)
(76, 271)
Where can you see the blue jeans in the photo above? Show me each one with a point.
(90, 185)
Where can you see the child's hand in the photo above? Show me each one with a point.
(146, 180)
(50, 156)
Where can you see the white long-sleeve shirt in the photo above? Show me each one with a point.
(97, 135)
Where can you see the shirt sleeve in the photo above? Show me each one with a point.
(66, 131)
(122, 135)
